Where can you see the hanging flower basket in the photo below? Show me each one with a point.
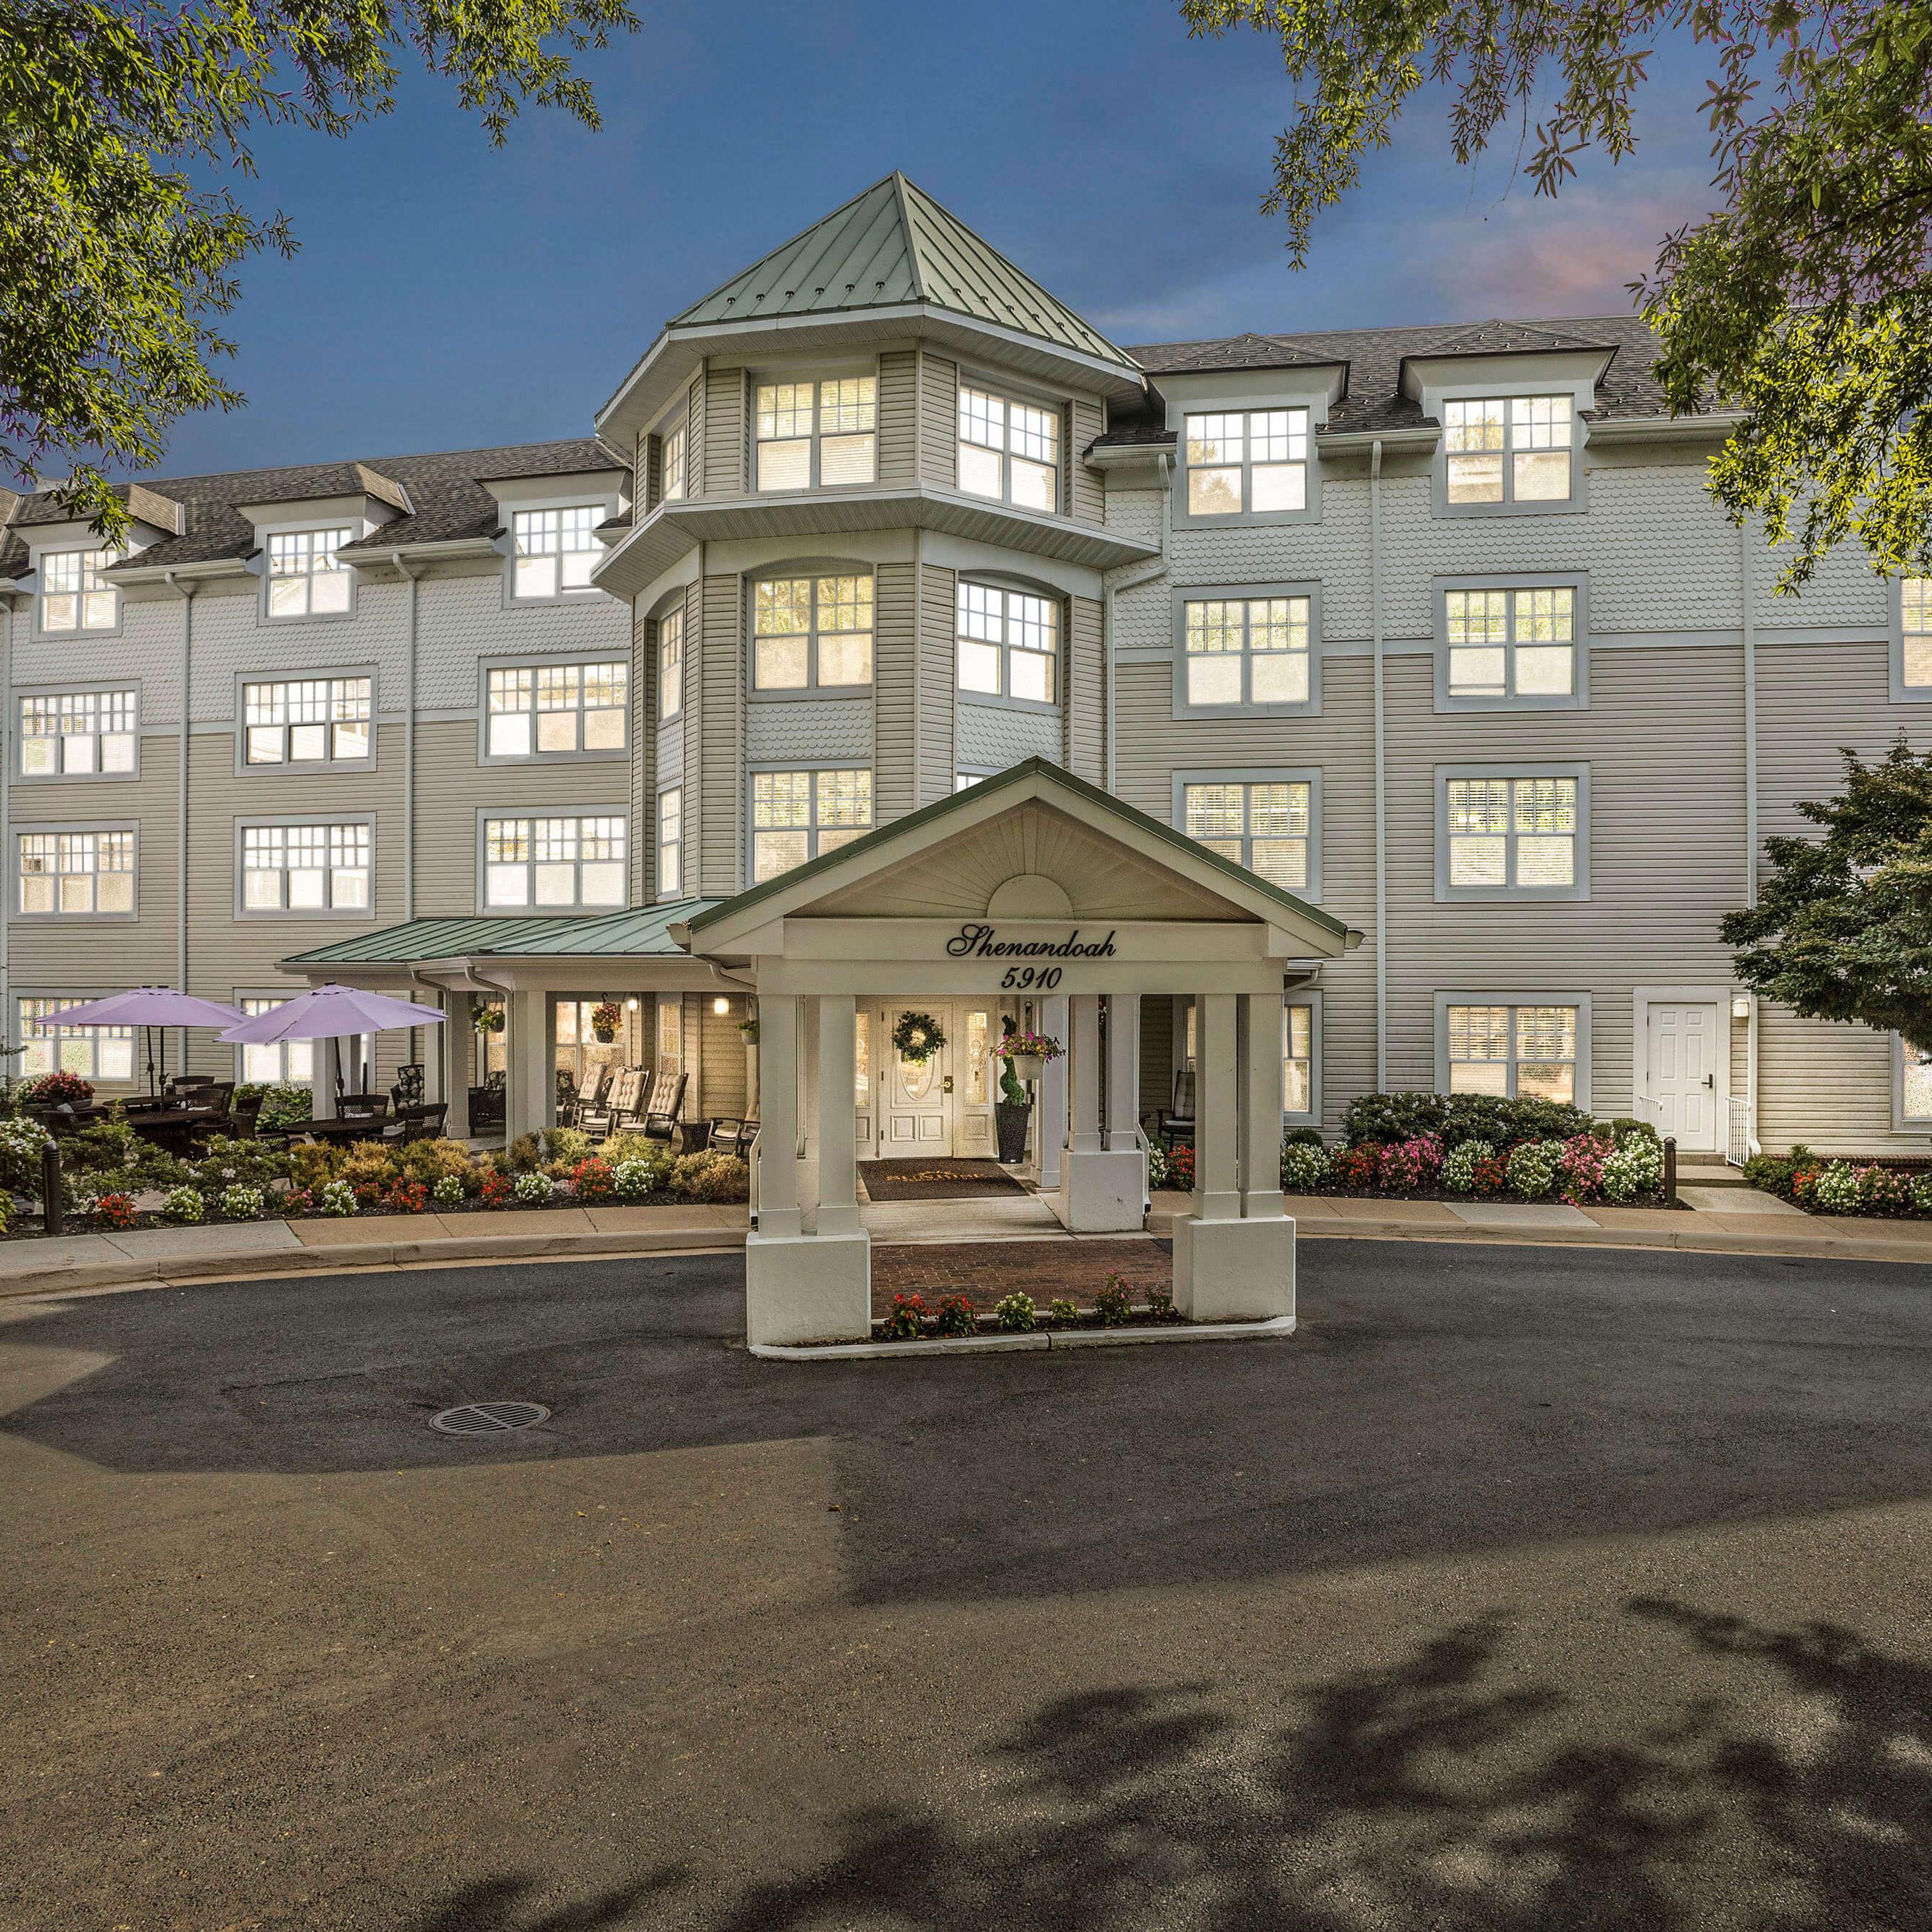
(1027, 1053)
(489, 1019)
(747, 1031)
(917, 1037)
(604, 1019)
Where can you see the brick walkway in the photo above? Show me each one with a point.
(985, 1271)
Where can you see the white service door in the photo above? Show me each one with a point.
(1684, 1043)
(919, 1095)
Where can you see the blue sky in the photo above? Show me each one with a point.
(447, 294)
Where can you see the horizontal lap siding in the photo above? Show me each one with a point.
(720, 1087)
(725, 429)
(720, 764)
(898, 417)
(939, 702)
(895, 681)
(939, 403)
(1085, 697)
(1088, 491)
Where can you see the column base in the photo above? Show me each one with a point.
(807, 1288)
(1234, 1270)
(1102, 1192)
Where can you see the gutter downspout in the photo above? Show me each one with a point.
(1747, 583)
(409, 767)
(1381, 758)
(185, 591)
(8, 1068)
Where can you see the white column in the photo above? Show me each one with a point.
(531, 1086)
(1260, 1031)
(322, 1069)
(1050, 1103)
(1217, 1192)
(1124, 1072)
(837, 1189)
(435, 1051)
(1084, 1074)
(459, 1038)
(778, 1217)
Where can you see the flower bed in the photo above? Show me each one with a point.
(1824, 1187)
(911, 1317)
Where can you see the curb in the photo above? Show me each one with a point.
(1816, 1247)
(1050, 1339)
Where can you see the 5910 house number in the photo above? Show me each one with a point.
(983, 942)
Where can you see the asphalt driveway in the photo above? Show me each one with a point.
(1525, 1588)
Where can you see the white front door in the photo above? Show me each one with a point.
(1685, 1042)
(918, 1114)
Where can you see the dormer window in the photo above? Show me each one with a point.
(1508, 449)
(306, 577)
(553, 550)
(816, 435)
(74, 595)
(1247, 463)
(1009, 450)
(672, 466)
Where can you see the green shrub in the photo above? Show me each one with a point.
(1015, 1313)
(532, 1188)
(335, 1198)
(431, 1161)
(1532, 1168)
(1922, 1193)
(224, 1162)
(632, 1179)
(1303, 1167)
(711, 1176)
(1393, 1117)
(1061, 1313)
(1624, 1128)
(1460, 1163)
(1454, 1118)
(1113, 1303)
(449, 1190)
(183, 1207)
(955, 1315)
(565, 1145)
(1836, 1189)
(282, 1107)
(243, 1204)
(1302, 1137)
(1771, 1173)
(112, 1153)
(1633, 1167)
(524, 1155)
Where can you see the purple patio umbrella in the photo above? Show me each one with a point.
(149, 1007)
(331, 1012)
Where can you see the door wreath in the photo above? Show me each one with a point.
(917, 1037)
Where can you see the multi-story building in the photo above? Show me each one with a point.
(1436, 628)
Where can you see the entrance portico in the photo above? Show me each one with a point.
(1034, 891)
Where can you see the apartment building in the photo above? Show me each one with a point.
(1429, 641)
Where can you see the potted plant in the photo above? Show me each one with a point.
(55, 1093)
(1021, 1055)
(489, 1019)
(1027, 1053)
(747, 1031)
(604, 1018)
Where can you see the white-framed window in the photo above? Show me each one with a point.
(1911, 1087)
(1301, 1058)
(308, 721)
(1247, 463)
(1245, 653)
(306, 867)
(1912, 641)
(797, 815)
(1512, 834)
(670, 842)
(1533, 1046)
(1507, 449)
(964, 781)
(673, 477)
(556, 710)
(68, 734)
(281, 1063)
(76, 873)
(75, 594)
(1267, 821)
(1008, 643)
(306, 578)
(811, 633)
(820, 434)
(95, 1053)
(553, 551)
(1009, 449)
(671, 663)
(558, 864)
(671, 1033)
(1504, 646)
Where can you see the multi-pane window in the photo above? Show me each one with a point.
(74, 594)
(1510, 1050)
(1915, 603)
(1915, 1082)
(76, 875)
(810, 632)
(1246, 651)
(310, 721)
(816, 435)
(95, 1053)
(1246, 462)
(670, 842)
(76, 733)
(280, 1062)
(672, 477)
(1008, 643)
(1265, 825)
(556, 863)
(1009, 450)
(1512, 834)
(1508, 644)
(306, 577)
(541, 710)
(670, 663)
(1297, 1056)
(1508, 449)
(320, 868)
(553, 550)
(797, 815)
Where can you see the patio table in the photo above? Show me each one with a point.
(347, 1127)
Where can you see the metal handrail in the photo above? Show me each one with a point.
(1740, 1140)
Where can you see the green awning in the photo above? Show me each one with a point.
(637, 930)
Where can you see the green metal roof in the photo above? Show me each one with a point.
(638, 929)
(891, 245)
(958, 801)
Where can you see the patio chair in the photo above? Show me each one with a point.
(374, 1106)
(594, 1098)
(244, 1116)
(667, 1100)
(487, 1104)
(734, 1136)
(566, 1097)
(1177, 1123)
(619, 1108)
(421, 1122)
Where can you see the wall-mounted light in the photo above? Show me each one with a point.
(630, 1006)
(1741, 1006)
(721, 1005)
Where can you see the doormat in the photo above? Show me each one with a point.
(935, 1179)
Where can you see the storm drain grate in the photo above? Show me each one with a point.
(489, 1418)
